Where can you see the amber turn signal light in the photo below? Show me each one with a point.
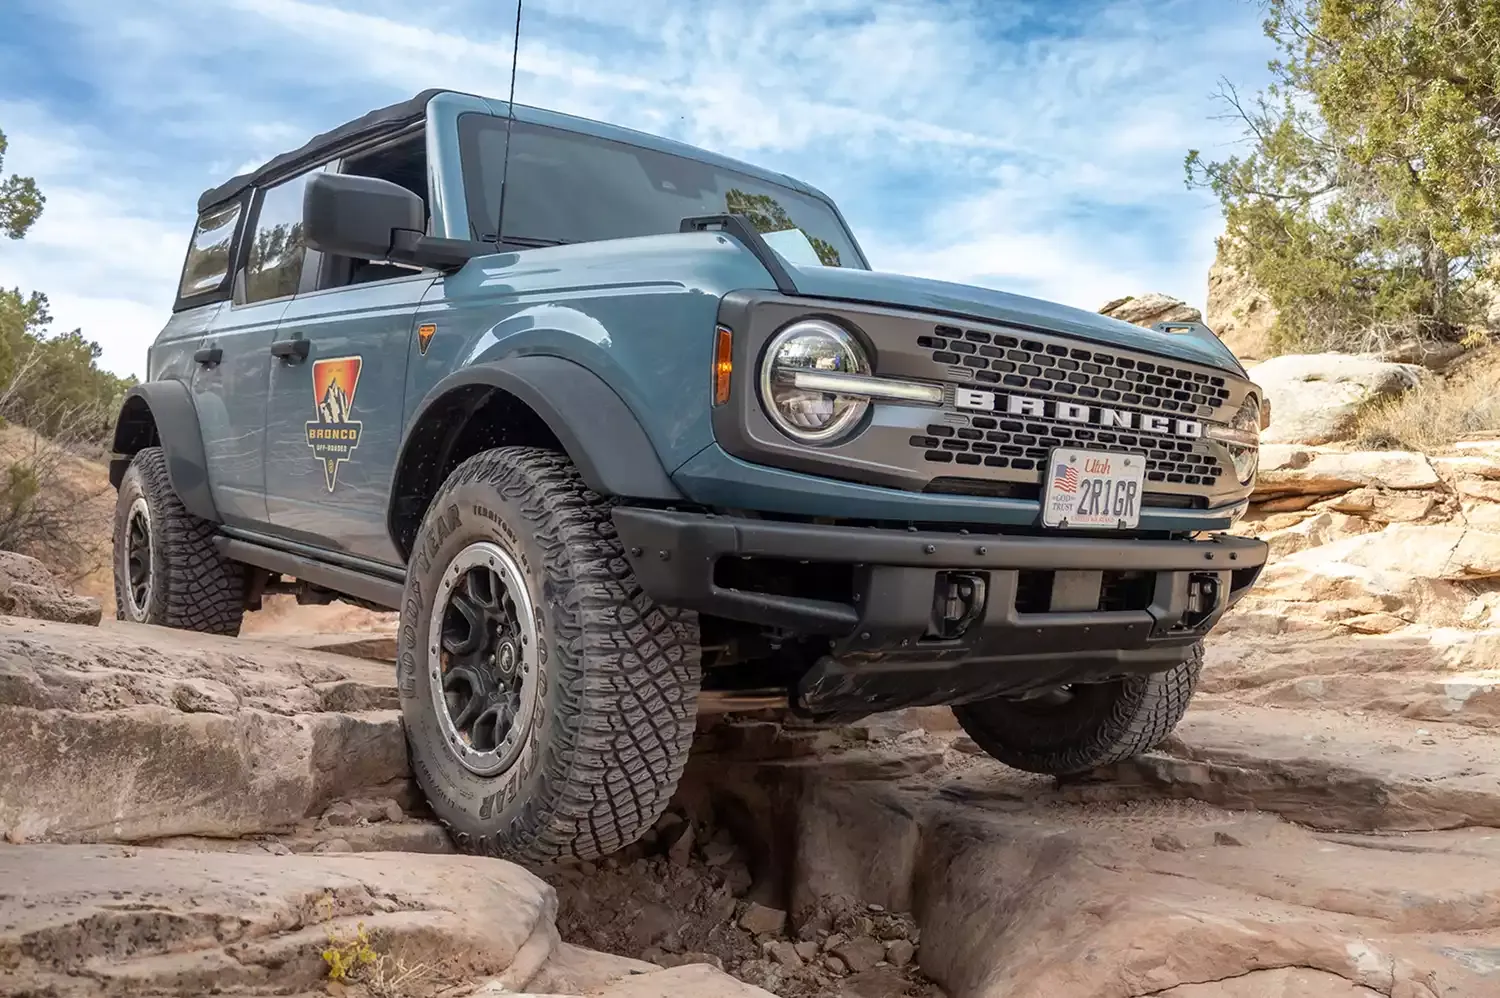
(723, 365)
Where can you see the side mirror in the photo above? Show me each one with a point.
(371, 219)
(357, 216)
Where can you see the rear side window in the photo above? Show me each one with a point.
(273, 265)
(209, 254)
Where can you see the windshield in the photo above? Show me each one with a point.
(570, 188)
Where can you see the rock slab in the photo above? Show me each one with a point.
(1315, 398)
(108, 920)
(127, 733)
(27, 589)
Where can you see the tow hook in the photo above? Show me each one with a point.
(958, 601)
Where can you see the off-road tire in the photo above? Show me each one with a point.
(193, 587)
(618, 688)
(1101, 724)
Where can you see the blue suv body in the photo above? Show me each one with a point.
(617, 424)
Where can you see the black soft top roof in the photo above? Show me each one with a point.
(385, 119)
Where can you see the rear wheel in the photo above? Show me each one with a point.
(167, 570)
(1077, 728)
(549, 704)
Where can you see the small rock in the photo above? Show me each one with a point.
(758, 919)
(1167, 842)
(393, 812)
(860, 953)
(815, 924)
(333, 845)
(1225, 839)
(881, 982)
(785, 953)
(340, 813)
(807, 949)
(966, 745)
(737, 878)
(681, 851)
(877, 908)
(899, 952)
(833, 941)
(726, 907)
(835, 965)
(717, 853)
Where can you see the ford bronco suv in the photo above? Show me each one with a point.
(618, 425)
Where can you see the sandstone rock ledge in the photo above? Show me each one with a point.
(124, 733)
(107, 920)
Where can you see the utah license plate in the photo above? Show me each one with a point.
(1090, 488)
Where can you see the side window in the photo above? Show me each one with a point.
(273, 266)
(208, 256)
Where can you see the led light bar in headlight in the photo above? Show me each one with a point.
(1242, 438)
(816, 386)
(878, 389)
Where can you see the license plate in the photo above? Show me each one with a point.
(1090, 488)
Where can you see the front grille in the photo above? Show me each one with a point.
(1023, 445)
(1015, 447)
(1014, 361)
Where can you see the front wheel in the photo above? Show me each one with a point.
(549, 704)
(1075, 729)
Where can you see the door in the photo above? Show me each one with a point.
(334, 419)
(230, 373)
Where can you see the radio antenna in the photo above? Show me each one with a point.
(510, 117)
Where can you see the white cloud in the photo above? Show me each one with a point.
(1032, 146)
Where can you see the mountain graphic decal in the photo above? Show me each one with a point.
(335, 433)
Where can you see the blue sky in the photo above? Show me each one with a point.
(1034, 147)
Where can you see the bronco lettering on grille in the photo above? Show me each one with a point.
(1075, 412)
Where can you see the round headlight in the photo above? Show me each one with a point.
(1246, 456)
(805, 412)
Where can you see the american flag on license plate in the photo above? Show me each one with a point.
(1066, 478)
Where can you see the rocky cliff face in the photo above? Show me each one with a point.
(1238, 311)
(1149, 309)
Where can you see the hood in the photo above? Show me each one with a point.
(1200, 346)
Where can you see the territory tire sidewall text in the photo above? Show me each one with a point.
(471, 512)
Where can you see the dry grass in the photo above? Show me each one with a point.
(1464, 403)
(56, 505)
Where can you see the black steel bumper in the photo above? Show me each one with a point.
(1050, 609)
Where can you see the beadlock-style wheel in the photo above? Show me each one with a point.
(549, 705)
(167, 570)
(483, 648)
(138, 556)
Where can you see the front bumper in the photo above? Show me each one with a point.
(1050, 610)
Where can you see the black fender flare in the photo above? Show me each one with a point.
(164, 410)
(599, 432)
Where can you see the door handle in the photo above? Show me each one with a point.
(209, 356)
(291, 351)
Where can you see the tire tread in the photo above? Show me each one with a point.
(199, 589)
(628, 671)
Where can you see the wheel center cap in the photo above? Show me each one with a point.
(506, 659)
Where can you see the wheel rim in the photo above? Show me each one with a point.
(138, 574)
(482, 646)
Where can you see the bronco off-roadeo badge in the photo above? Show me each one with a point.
(334, 435)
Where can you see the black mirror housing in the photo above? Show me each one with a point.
(358, 216)
(371, 219)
